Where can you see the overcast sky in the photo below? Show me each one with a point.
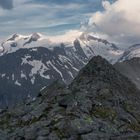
(47, 16)
(115, 20)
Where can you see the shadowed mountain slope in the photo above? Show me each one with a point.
(131, 69)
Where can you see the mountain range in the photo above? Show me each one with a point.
(30, 63)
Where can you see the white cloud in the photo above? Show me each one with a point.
(119, 21)
(68, 36)
(27, 17)
(106, 5)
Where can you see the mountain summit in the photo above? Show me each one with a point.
(100, 103)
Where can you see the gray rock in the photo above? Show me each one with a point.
(100, 104)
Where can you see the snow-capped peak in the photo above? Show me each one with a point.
(36, 36)
(17, 41)
(93, 45)
(131, 52)
(91, 37)
(88, 42)
(15, 37)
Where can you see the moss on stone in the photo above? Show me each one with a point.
(104, 112)
(5, 120)
(88, 119)
(134, 126)
(21, 123)
(60, 133)
(128, 107)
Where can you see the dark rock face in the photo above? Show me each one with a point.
(33, 38)
(13, 37)
(99, 104)
(26, 71)
(131, 69)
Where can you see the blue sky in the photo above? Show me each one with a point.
(45, 16)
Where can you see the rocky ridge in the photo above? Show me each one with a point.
(100, 103)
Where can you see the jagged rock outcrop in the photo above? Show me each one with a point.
(99, 104)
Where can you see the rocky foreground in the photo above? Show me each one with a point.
(100, 104)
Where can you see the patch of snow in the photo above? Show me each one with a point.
(1, 49)
(37, 68)
(66, 67)
(23, 75)
(33, 80)
(35, 49)
(8, 77)
(45, 76)
(71, 74)
(24, 60)
(34, 98)
(58, 71)
(43, 88)
(64, 59)
(3, 75)
(17, 83)
(73, 67)
(13, 77)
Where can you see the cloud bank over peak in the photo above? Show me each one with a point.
(119, 21)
